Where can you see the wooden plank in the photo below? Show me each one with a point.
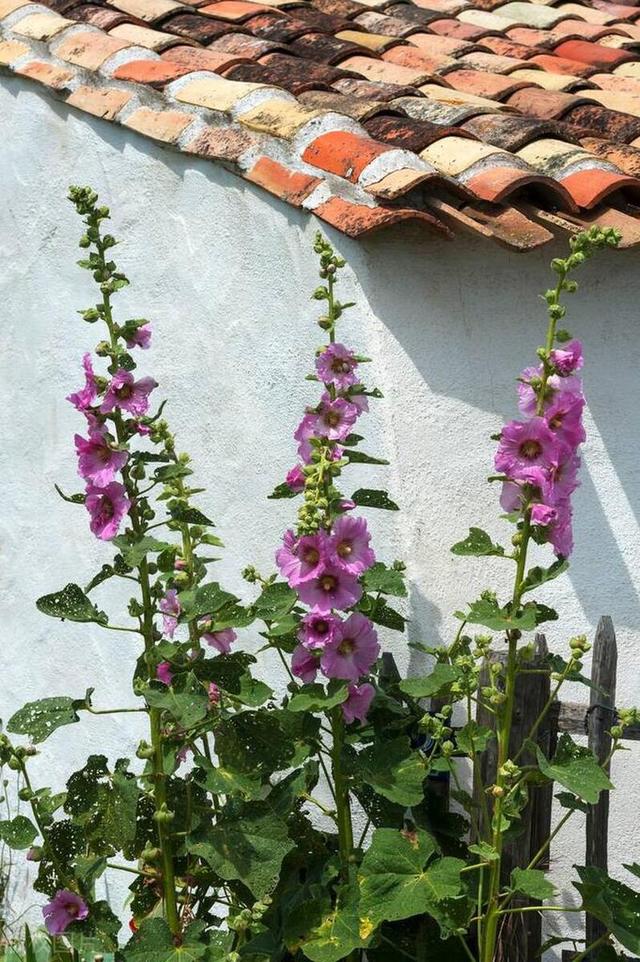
(574, 718)
(601, 714)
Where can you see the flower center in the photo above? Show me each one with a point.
(72, 909)
(328, 583)
(346, 646)
(340, 366)
(321, 627)
(332, 418)
(124, 392)
(345, 548)
(311, 556)
(106, 508)
(531, 449)
(556, 420)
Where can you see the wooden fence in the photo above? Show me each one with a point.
(522, 938)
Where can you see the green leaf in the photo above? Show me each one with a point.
(359, 457)
(225, 781)
(154, 942)
(315, 698)
(249, 847)
(206, 600)
(38, 719)
(436, 683)
(170, 471)
(478, 543)
(185, 700)
(187, 515)
(387, 580)
(282, 491)
(339, 932)
(394, 770)
(134, 551)
(104, 803)
(402, 876)
(486, 611)
(576, 768)
(485, 851)
(71, 604)
(538, 576)
(252, 692)
(18, 833)
(567, 800)
(275, 602)
(558, 664)
(71, 498)
(473, 738)
(616, 905)
(532, 882)
(373, 498)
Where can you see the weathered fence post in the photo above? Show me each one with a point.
(600, 719)
(521, 936)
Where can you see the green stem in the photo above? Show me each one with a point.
(589, 949)
(343, 804)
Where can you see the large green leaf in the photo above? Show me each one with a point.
(394, 770)
(532, 882)
(187, 515)
(18, 833)
(616, 905)
(340, 930)
(538, 576)
(401, 875)
(387, 580)
(206, 600)
(38, 719)
(437, 682)
(486, 611)
(249, 847)
(477, 542)
(71, 604)
(576, 768)
(226, 781)
(316, 698)
(104, 803)
(155, 943)
(275, 601)
(133, 552)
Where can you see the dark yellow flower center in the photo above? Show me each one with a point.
(328, 582)
(345, 548)
(332, 418)
(531, 449)
(310, 556)
(346, 646)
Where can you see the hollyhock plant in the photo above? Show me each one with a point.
(352, 651)
(301, 559)
(107, 507)
(98, 462)
(349, 547)
(318, 630)
(189, 691)
(64, 908)
(127, 394)
(336, 365)
(330, 589)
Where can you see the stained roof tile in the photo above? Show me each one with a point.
(507, 119)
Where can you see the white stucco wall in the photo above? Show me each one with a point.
(224, 273)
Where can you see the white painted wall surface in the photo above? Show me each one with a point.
(224, 273)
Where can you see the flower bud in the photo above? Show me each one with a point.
(25, 794)
(14, 763)
(35, 854)
(497, 791)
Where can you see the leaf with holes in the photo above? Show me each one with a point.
(186, 700)
(373, 498)
(133, 552)
(71, 604)
(339, 931)
(275, 602)
(576, 768)
(477, 543)
(316, 698)
(531, 882)
(208, 599)
(184, 514)
(616, 905)
(154, 942)
(359, 457)
(38, 719)
(104, 803)
(539, 576)
(18, 833)
(386, 580)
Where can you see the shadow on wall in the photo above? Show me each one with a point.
(468, 317)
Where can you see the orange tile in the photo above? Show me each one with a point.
(289, 185)
(235, 10)
(382, 71)
(57, 78)
(220, 143)
(153, 72)
(11, 50)
(358, 219)
(343, 153)
(89, 49)
(590, 187)
(165, 125)
(106, 102)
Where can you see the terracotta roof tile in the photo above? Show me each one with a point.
(507, 119)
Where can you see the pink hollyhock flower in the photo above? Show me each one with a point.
(317, 630)
(336, 365)
(220, 640)
(335, 419)
(141, 337)
(107, 507)
(564, 417)
(170, 607)
(567, 359)
(346, 504)
(528, 398)
(353, 650)
(164, 673)
(214, 694)
(97, 461)
(64, 908)
(563, 480)
(331, 588)
(361, 401)
(511, 497)
(295, 479)
(84, 398)
(127, 394)
(358, 703)
(560, 533)
(543, 514)
(349, 545)
(305, 430)
(301, 559)
(143, 429)
(304, 664)
(525, 445)
(183, 753)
